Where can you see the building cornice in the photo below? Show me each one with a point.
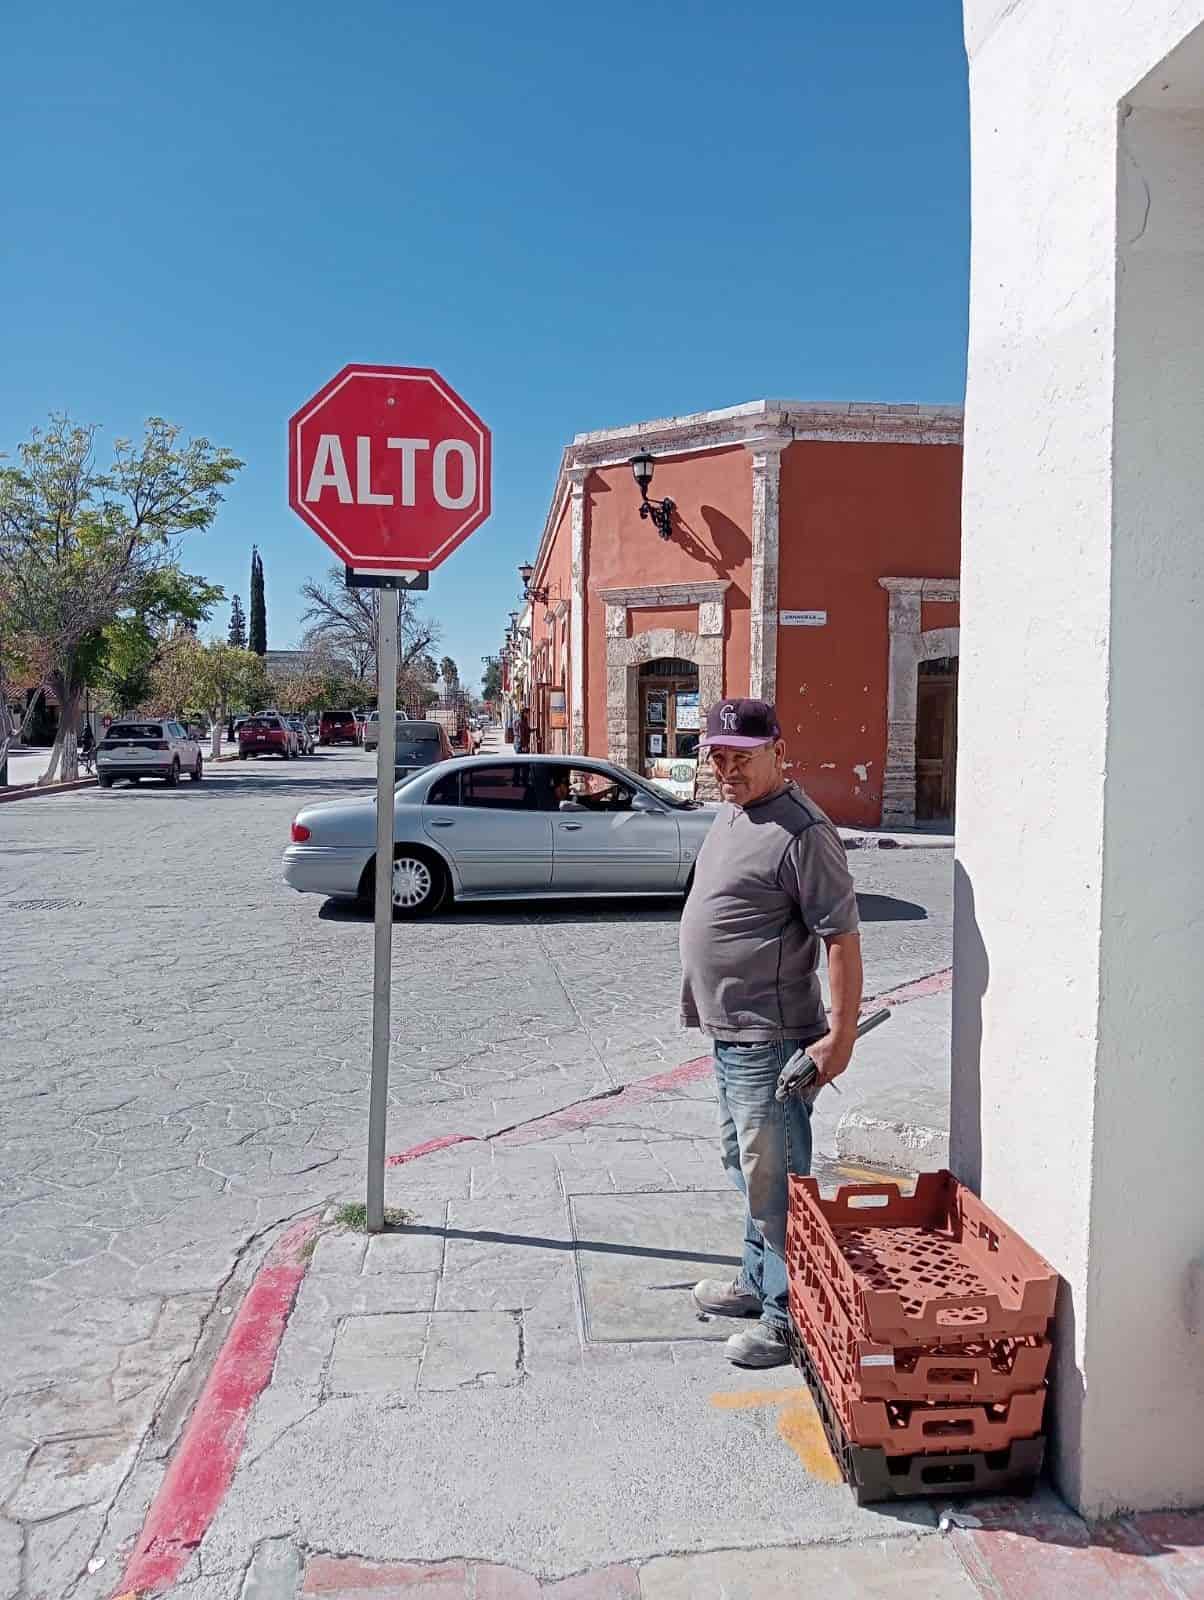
(758, 426)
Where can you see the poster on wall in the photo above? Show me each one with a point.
(674, 773)
(657, 708)
(557, 715)
(656, 744)
(687, 712)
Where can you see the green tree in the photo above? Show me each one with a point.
(79, 544)
(491, 680)
(123, 660)
(215, 678)
(257, 637)
(450, 674)
(237, 635)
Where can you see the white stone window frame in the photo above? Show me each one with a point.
(625, 656)
(909, 645)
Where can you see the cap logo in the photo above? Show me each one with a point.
(728, 718)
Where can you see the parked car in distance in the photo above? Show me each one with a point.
(305, 740)
(147, 749)
(505, 828)
(266, 734)
(419, 744)
(338, 727)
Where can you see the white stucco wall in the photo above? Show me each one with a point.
(1078, 1097)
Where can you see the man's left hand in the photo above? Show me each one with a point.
(832, 1054)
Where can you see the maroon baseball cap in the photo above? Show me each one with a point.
(741, 725)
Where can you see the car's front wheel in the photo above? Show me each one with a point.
(105, 780)
(173, 775)
(198, 772)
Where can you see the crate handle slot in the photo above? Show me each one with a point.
(947, 1428)
(849, 1198)
(947, 1377)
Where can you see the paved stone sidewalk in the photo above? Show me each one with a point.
(511, 1394)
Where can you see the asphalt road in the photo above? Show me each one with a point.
(184, 1053)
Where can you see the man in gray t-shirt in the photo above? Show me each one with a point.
(770, 882)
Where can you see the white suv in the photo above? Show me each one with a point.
(138, 749)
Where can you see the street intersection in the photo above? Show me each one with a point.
(184, 1062)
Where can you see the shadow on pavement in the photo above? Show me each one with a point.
(520, 914)
(596, 1246)
(886, 908)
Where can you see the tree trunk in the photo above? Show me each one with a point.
(64, 755)
(219, 722)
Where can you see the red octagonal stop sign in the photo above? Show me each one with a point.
(390, 467)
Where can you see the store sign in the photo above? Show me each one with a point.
(674, 773)
(803, 619)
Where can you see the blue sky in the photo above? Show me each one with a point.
(583, 216)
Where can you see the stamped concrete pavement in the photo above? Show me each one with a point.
(183, 1052)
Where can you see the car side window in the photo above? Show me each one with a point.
(506, 787)
(598, 791)
(446, 792)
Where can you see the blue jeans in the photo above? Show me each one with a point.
(762, 1140)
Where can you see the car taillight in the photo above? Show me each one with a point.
(300, 833)
(158, 744)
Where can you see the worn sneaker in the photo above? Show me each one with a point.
(726, 1299)
(762, 1345)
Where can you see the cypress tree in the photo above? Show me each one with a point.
(258, 633)
(238, 625)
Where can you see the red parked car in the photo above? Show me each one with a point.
(265, 736)
(338, 727)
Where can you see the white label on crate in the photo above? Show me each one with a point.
(878, 1361)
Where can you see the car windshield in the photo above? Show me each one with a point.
(666, 795)
(135, 730)
(337, 716)
(257, 725)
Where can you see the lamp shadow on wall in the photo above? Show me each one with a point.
(723, 547)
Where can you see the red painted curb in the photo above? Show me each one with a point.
(584, 1112)
(205, 1461)
(431, 1146)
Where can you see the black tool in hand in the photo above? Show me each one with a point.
(799, 1074)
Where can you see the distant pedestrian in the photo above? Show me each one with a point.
(522, 734)
(770, 882)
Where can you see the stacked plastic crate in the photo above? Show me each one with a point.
(921, 1324)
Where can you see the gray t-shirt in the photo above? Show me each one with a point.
(770, 882)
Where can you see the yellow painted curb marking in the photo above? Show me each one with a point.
(798, 1425)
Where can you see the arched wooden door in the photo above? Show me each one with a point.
(936, 739)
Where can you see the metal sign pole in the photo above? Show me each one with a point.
(382, 971)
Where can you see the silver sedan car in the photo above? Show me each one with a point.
(504, 828)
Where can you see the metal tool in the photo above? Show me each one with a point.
(800, 1074)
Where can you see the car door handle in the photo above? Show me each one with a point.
(571, 827)
(442, 822)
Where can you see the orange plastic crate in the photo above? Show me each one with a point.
(936, 1267)
(919, 1427)
(989, 1370)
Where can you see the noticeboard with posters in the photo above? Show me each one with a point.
(557, 715)
(675, 773)
(687, 711)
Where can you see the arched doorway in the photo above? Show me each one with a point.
(669, 713)
(936, 739)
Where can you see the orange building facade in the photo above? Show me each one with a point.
(813, 560)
